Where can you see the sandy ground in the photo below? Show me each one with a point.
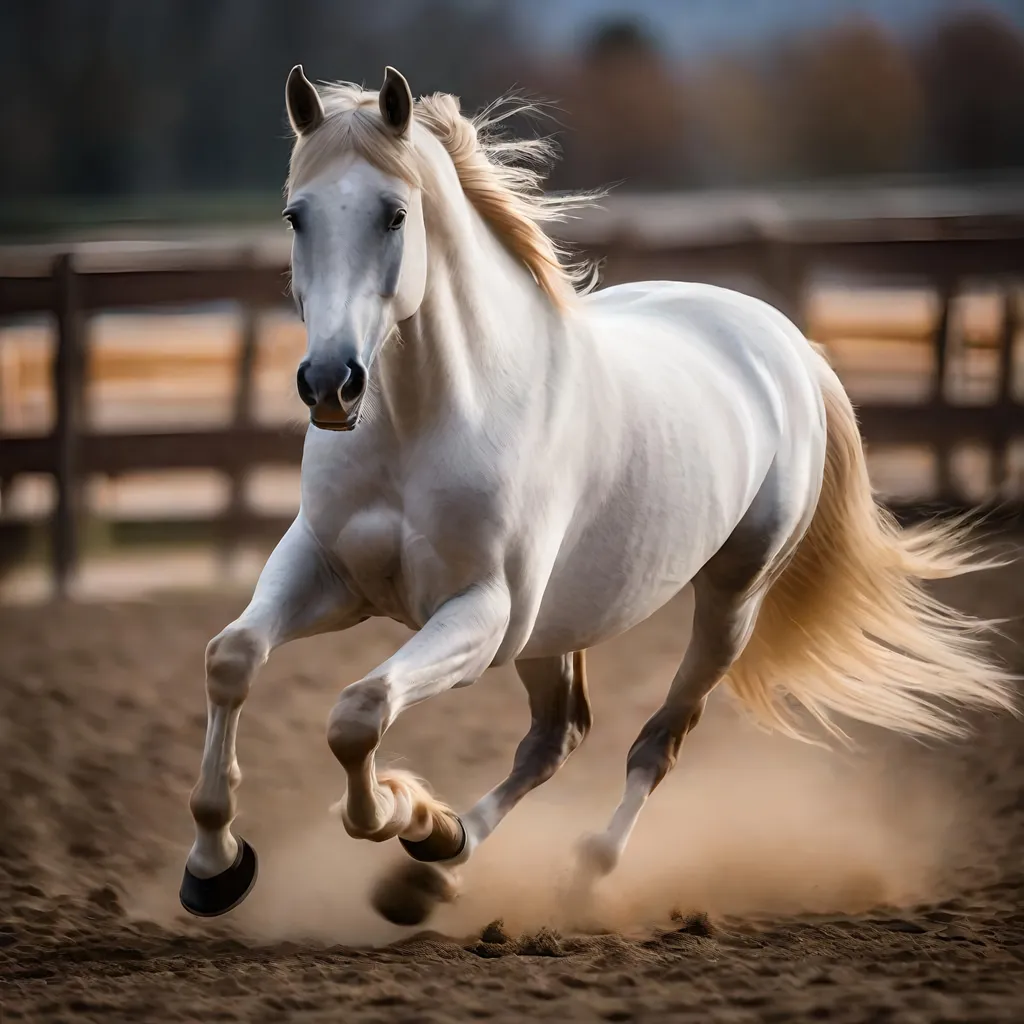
(767, 881)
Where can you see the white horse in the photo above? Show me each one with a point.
(518, 472)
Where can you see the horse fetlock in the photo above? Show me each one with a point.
(212, 808)
(232, 659)
(373, 834)
(376, 820)
(356, 723)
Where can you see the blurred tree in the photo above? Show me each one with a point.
(626, 112)
(850, 102)
(69, 98)
(737, 123)
(144, 99)
(107, 97)
(973, 65)
(26, 115)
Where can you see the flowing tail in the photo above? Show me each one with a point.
(848, 627)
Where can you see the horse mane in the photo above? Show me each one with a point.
(501, 177)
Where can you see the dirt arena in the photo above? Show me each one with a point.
(767, 881)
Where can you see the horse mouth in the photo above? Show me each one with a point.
(349, 423)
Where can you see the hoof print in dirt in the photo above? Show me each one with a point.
(408, 894)
(211, 897)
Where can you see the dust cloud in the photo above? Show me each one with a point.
(747, 825)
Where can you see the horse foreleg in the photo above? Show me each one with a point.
(561, 718)
(454, 648)
(298, 594)
(722, 624)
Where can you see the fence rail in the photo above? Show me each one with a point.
(780, 259)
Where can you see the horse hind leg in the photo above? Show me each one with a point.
(724, 615)
(560, 720)
(561, 717)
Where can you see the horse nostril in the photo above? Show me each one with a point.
(354, 384)
(303, 385)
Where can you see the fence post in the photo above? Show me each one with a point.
(786, 274)
(242, 417)
(68, 365)
(1004, 388)
(1011, 324)
(941, 346)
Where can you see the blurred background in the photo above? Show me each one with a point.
(860, 164)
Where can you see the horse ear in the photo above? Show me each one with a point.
(305, 110)
(395, 102)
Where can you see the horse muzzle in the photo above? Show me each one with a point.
(333, 392)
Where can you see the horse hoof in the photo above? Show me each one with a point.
(408, 894)
(211, 897)
(596, 857)
(445, 842)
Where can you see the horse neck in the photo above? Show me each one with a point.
(475, 338)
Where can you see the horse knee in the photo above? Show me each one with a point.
(357, 721)
(232, 659)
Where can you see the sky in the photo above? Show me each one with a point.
(688, 27)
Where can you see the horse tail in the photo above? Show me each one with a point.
(847, 626)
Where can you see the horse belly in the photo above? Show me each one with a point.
(622, 569)
(574, 617)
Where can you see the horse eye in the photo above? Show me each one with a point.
(397, 220)
(291, 219)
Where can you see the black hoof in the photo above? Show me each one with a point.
(211, 897)
(441, 844)
(408, 894)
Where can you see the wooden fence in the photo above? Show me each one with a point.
(945, 250)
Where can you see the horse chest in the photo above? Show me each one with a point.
(404, 564)
(370, 548)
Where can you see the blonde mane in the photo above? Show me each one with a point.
(501, 177)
